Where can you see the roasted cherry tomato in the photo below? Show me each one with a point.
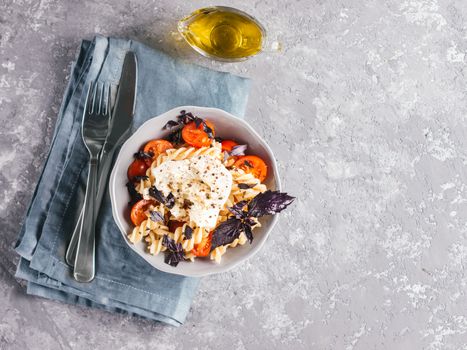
(204, 247)
(253, 165)
(138, 210)
(174, 224)
(157, 147)
(227, 145)
(196, 136)
(137, 168)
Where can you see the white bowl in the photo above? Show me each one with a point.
(227, 126)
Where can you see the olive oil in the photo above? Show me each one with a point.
(223, 32)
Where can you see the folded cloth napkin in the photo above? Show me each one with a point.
(124, 282)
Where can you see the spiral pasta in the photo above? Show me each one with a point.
(181, 153)
(217, 253)
(154, 244)
(188, 243)
(239, 194)
(147, 227)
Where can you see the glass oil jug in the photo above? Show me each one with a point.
(223, 33)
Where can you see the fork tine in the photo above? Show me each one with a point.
(94, 104)
(108, 101)
(102, 100)
(89, 101)
(97, 102)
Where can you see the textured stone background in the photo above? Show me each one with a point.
(366, 110)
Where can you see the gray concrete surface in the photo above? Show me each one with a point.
(366, 110)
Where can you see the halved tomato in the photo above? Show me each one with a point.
(203, 248)
(253, 165)
(137, 168)
(227, 145)
(196, 136)
(138, 210)
(157, 147)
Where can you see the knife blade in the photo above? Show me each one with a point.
(120, 129)
(126, 101)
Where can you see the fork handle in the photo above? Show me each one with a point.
(85, 254)
(105, 162)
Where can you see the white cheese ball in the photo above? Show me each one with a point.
(201, 185)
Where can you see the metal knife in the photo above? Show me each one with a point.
(120, 129)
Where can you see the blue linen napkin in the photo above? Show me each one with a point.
(124, 281)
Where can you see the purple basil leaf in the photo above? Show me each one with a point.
(176, 137)
(167, 241)
(248, 232)
(134, 195)
(139, 178)
(170, 201)
(226, 232)
(208, 130)
(226, 156)
(185, 118)
(238, 150)
(174, 252)
(237, 209)
(269, 203)
(198, 121)
(245, 186)
(156, 216)
(188, 232)
(171, 245)
(170, 124)
(143, 155)
(250, 221)
(156, 194)
(173, 258)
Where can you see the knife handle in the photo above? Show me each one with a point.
(105, 162)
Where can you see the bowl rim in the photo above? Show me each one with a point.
(117, 218)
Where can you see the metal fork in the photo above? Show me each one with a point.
(94, 131)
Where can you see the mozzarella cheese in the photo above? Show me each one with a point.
(201, 185)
